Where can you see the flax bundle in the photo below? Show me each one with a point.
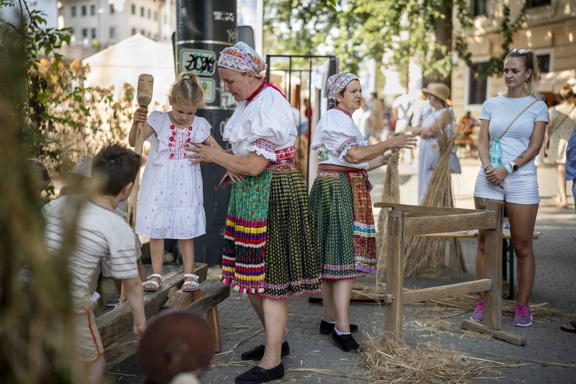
(426, 256)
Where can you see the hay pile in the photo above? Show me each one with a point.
(436, 257)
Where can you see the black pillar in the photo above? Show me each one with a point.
(203, 30)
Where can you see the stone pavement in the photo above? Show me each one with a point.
(548, 357)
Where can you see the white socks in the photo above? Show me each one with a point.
(340, 333)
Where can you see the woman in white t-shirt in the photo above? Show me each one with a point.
(514, 182)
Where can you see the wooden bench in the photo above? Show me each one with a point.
(115, 326)
(507, 262)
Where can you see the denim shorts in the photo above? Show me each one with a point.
(519, 188)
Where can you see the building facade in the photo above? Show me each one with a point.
(549, 30)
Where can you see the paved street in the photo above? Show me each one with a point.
(548, 357)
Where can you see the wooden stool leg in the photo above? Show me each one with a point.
(214, 323)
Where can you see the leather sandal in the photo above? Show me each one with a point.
(149, 281)
(192, 284)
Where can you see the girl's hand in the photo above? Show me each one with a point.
(201, 153)
(496, 175)
(140, 114)
(392, 157)
(235, 176)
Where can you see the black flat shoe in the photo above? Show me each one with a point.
(326, 327)
(260, 375)
(345, 342)
(257, 353)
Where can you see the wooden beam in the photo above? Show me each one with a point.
(394, 275)
(509, 337)
(443, 291)
(115, 323)
(493, 269)
(420, 210)
(417, 225)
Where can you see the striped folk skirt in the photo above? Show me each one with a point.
(341, 205)
(269, 240)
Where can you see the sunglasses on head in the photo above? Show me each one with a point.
(515, 51)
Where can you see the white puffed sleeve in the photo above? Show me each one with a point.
(337, 132)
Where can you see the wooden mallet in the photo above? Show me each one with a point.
(144, 97)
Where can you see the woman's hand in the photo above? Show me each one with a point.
(402, 141)
(235, 176)
(496, 175)
(202, 153)
(392, 157)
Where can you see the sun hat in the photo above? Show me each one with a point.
(438, 90)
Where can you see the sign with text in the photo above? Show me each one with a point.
(198, 61)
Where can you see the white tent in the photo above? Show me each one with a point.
(552, 82)
(123, 62)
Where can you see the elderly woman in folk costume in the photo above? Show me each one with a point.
(340, 202)
(269, 241)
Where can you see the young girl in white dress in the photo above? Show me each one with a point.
(170, 200)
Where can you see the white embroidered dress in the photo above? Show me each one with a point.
(170, 200)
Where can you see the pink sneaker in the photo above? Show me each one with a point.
(523, 316)
(478, 314)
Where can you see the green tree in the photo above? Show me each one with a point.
(401, 29)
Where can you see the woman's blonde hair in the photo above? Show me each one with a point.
(566, 92)
(186, 90)
(530, 62)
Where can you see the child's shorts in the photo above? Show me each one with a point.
(518, 188)
(87, 340)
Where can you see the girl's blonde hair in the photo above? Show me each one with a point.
(187, 90)
(530, 62)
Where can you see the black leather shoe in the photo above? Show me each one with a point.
(345, 342)
(257, 353)
(260, 375)
(326, 328)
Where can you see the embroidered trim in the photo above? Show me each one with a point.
(177, 141)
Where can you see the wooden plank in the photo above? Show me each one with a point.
(208, 297)
(450, 223)
(420, 210)
(509, 337)
(113, 324)
(444, 291)
(493, 269)
(394, 275)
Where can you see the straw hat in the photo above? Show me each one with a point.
(438, 90)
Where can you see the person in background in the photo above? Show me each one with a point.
(466, 124)
(561, 120)
(340, 202)
(270, 251)
(517, 121)
(571, 176)
(42, 179)
(376, 120)
(361, 118)
(100, 233)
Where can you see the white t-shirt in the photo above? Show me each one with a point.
(334, 135)
(263, 125)
(100, 233)
(500, 111)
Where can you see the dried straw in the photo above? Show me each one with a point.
(390, 194)
(427, 256)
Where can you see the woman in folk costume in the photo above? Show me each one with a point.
(269, 246)
(340, 202)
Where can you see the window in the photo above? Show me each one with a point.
(73, 8)
(478, 7)
(133, 31)
(539, 3)
(544, 63)
(92, 10)
(112, 33)
(83, 10)
(142, 12)
(93, 33)
(84, 32)
(111, 9)
(477, 84)
(133, 9)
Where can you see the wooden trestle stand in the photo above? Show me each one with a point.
(410, 220)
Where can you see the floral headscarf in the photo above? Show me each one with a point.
(241, 58)
(336, 83)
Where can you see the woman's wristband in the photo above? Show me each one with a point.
(508, 168)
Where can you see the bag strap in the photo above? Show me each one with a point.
(561, 121)
(516, 118)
